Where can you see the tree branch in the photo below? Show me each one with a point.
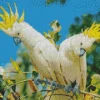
(59, 87)
(94, 95)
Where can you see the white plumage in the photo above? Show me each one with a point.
(49, 62)
(43, 54)
(65, 64)
(73, 66)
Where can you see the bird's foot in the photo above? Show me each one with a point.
(68, 88)
(76, 89)
(53, 86)
(47, 82)
(37, 81)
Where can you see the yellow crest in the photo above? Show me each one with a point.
(9, 19)
(93, 31)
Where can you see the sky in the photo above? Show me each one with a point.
(39, 15)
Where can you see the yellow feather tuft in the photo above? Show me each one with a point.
(2, 16)
(6, 15)
(10, 19)
(11, 16)
(21, 18)
(16, 12)
(93, 31)
(3, 25)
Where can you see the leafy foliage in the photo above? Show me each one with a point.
(96, 83)
(54, 36)
(55, 1)
(23, 63)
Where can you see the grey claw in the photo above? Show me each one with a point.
(68, 88)
(53, 85)
(36, 81)
(76, 89)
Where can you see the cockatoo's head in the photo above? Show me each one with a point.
(82, 42)
(11, 23)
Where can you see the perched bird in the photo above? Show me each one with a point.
(69, 64)
(73, 56)
(43, 53)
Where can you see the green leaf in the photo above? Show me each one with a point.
(96, 82)
(55, 1)
(54, 36)
(63, 1)
(51, 1)
(34, 73)
(78, 96)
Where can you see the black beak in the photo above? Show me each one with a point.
(17, 40)
(82, 52)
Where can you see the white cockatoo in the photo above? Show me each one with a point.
(73, 55)
(43, 53)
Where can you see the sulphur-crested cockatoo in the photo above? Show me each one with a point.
(73, 55)
(43, 53)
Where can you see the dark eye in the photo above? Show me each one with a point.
(57, 24)
(17, 33)
(81, 43)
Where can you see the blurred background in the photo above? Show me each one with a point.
(73, 16)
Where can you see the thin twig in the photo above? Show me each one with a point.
(88, 87)
(63, 95)
(46, 94)
(94, 95)
(82, 92)
(18, 72)
(37, 92)
(9, 87)
(12, 91)
(51, 95)
(19, 83)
